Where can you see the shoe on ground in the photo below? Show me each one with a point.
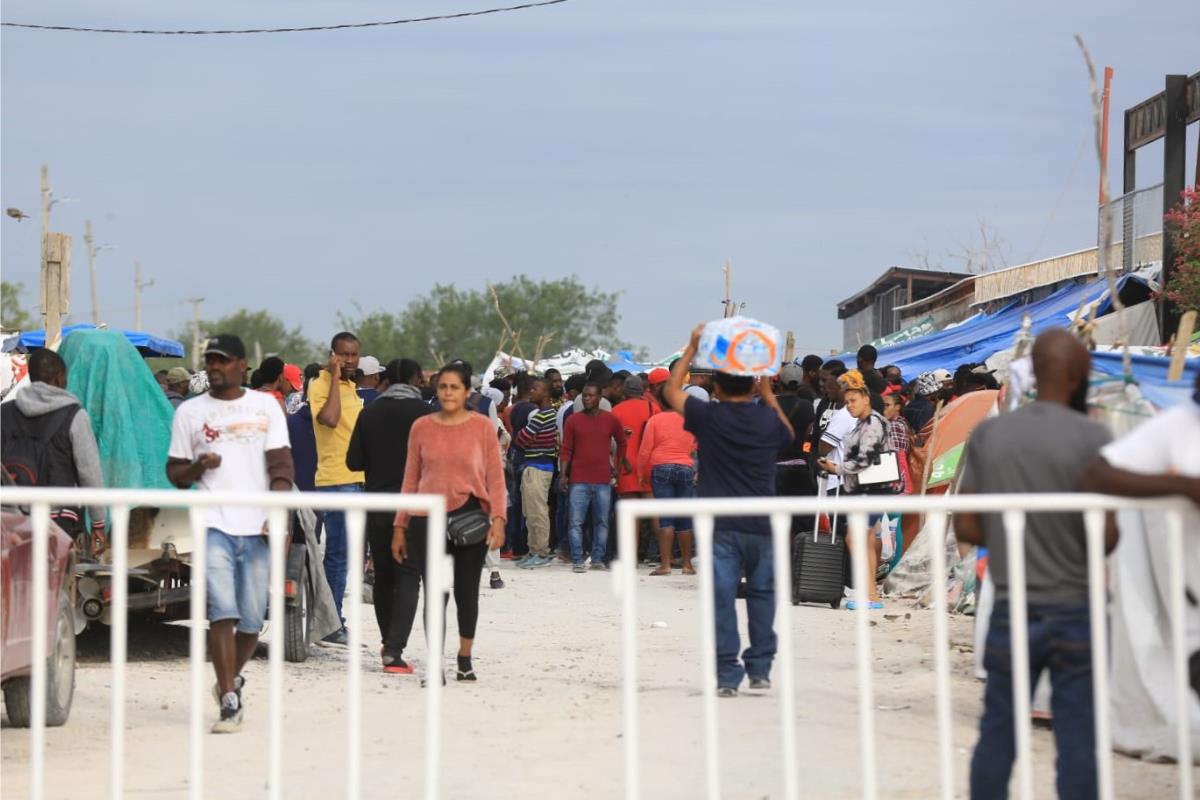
(394, 664)
(541, 561)
(760, 684)
(496, 581)
(339, 638)
(238, 684)
(231, 715)
(506, 555)
(578, 569)
(599, 566)
(726, 691)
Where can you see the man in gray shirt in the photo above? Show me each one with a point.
(1043, 447)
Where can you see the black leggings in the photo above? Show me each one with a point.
(379, 538)
(468, 566)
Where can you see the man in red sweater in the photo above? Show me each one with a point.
(586, 470)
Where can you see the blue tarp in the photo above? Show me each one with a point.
(1150, 373)
(147, 344)
(982, 337)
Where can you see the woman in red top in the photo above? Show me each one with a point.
(453, 453)
(666, 462)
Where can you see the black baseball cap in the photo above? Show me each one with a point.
(225, 344)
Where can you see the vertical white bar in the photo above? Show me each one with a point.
(626, 568)
(708, 654)
(781, 542)
(1098, 610)
(1179, 655)
(862, 618)
(198, 622)
(118, 630)
(278, 533)
(356, 521)
(1014, 532)
(37, 685)
(941, 652)
(435, 612)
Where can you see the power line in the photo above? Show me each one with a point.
(344, 26)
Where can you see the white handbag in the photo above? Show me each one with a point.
(882, 471)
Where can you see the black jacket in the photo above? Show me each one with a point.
(379, 443)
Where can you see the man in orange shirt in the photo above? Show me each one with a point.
(633, 414)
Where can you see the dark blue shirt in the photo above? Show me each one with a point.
(736, 446)
(304, 447)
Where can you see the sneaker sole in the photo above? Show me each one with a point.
(398, 670)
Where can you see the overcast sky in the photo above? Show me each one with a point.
(636, 143)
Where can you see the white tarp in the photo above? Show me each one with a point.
(568, 363)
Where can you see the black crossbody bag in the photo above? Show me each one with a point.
(468, 524)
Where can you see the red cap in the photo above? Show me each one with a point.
(658, 375)
(295, 377)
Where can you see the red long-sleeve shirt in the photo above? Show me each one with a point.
(587, 446)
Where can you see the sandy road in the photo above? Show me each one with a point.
(544, 720)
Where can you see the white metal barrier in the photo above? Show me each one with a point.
(121, 501)
(1014, 508)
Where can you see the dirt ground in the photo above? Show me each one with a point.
(545, 718)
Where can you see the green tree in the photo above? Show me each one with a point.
(12, 316)
(261, 327)
(463, 323)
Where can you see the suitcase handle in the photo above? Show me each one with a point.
(837, 490)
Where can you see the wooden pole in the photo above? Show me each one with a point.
(728, 290)
(789, 347)
(90, 242)
(195, 301)
(56, 285)
(138, 285)
(1104, 100)
(1183, 337)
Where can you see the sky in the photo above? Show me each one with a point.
(637, 144)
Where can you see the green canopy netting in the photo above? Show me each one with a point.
(130, 414)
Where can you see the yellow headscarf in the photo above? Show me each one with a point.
(852, 380)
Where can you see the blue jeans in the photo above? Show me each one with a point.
(335, 546)
(674, 480)
(238, 579)
(598, 498)
(1059, 639)
(736, 554)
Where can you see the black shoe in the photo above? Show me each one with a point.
(497, 581)
(339, 638)
(760, 684)
(726, 691)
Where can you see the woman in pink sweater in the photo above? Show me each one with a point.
(453, 453)
(666, 462)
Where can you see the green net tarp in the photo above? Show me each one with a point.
(130, 414)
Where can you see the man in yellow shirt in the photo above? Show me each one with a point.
(335, 405)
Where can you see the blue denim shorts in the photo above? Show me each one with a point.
(673, 480)
(239, 569)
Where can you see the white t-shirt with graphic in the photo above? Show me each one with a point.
(841, 424)
(241, 432)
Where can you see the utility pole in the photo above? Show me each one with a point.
(90, 243)
(138, 285)
(195, 301)
(56, 284)
(46, 201)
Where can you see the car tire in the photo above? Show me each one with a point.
(60, 676)
(296, 625)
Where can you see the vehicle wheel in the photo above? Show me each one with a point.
(295, 626)
(836, 604)
(60, 676)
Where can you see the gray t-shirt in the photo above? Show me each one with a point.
(1043, 447)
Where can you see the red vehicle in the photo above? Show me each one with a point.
(16, 616)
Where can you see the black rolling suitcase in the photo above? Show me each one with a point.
(819, 567)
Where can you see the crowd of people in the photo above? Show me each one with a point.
(532, 467)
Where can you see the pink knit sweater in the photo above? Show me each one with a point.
(456, 461)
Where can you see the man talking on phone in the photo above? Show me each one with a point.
(335, 404)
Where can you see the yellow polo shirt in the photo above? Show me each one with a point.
(332, 443)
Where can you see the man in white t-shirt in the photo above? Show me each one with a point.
(1161, 458)
(232, 440)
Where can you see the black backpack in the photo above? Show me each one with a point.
(36, 451)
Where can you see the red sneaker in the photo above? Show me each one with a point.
(506, 555)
